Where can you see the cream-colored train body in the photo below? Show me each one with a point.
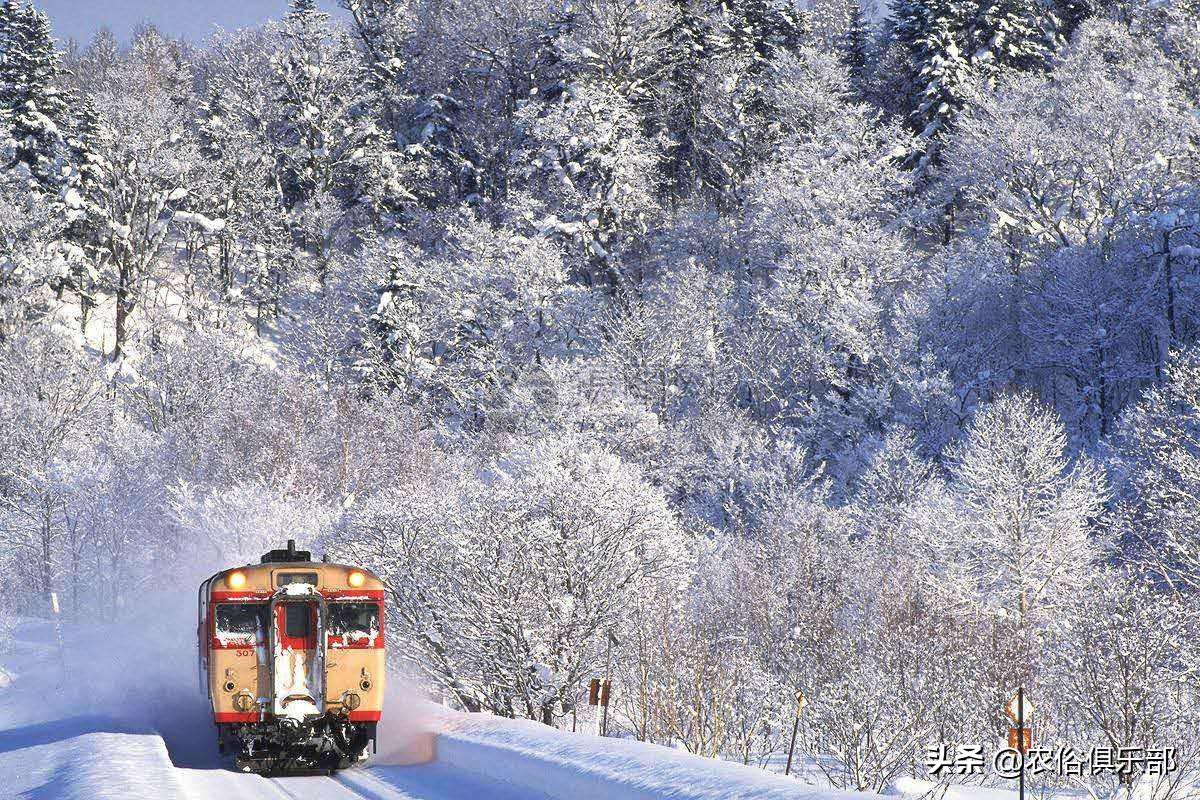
(292, 660)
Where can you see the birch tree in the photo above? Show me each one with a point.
(1025, 541)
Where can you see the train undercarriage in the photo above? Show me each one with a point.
(285, 744)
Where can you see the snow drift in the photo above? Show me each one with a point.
(121, 717)
(541, 762)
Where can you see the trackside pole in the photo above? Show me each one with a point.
(1021, 741)
(606, 686)
(62, 650)
(594, 700)
(792, 747)
(1020, 711)
(801, 702)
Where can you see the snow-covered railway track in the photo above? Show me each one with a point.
(349, 785)
(320, 787)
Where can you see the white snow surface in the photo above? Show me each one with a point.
(121, 717)
(579, 766)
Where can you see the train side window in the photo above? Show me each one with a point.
(354, 620)
(296, 620)
(241, 620)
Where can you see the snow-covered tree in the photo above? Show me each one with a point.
(1158, 438)
(80, 201)
(505, 582)
(1118, 212)
(458, 326)
(149, 156)
(1065, 192)
(30, 230)
(95, 64)
(599, 173)
(1024, 543)
(931, 34)
(666, 344)
(762, 30)
(825, 263)
(685, 42)
(1121, 677)
(30, 99)
(240, 522)
(320, 128)
(858, 42)
(952, 48)
(1008, 35)
(51, 397)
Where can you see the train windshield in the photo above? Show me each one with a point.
(354, 621)
(241, 620)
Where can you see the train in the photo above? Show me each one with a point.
(292, 661)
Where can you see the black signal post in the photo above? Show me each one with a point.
(801, 702)
(1021, 741)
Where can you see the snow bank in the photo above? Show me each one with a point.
(574, 766)
(96, 765)
(121, 717)
(55, 742)
(917, 789)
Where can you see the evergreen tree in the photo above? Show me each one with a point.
(857, 41)
(81, 203)
(314, 78)
(326, 141)
(299, 131)
(374, 25)
(944, 79)
(1010, 35)
(1071, 14)
(933, 36)
(212, 128)
(684, 46)
(951, 43)
(29, 98)
(761, 29)
(742, 115)
(179, 80)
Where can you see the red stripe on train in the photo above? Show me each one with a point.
(252, 716)
(328, 594)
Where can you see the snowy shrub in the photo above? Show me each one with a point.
(505, 579)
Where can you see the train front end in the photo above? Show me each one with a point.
(292, 660)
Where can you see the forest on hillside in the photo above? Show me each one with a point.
(793, 348)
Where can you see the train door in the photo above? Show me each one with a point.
(299, 673)
(202, 638)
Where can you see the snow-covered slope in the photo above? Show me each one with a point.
(119, 717)
(567, 766)
(58, 741)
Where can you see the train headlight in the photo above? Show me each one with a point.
(351, 701)
(243, 702)
(356, 579)
(236, 580)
